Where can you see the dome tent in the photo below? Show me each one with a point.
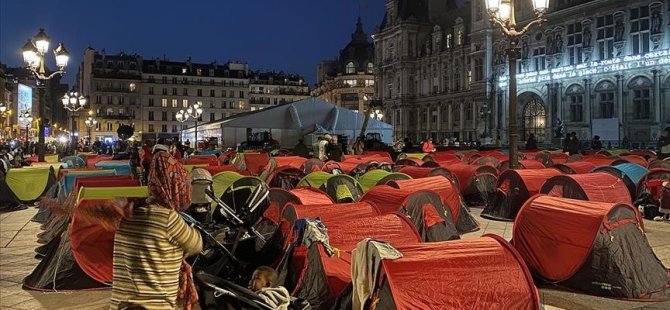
(596, 247)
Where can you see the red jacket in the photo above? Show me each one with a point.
(428, 147)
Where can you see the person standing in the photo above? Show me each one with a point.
(531, 143)
(664, 144)
(596, 144)
(150, 245)
(428, 146)
(571, 144)
(334, 149)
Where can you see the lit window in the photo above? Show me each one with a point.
(605, 29)
(164, 102)
(174, 103)
(639, 30)
(350, 69)
(184, 70)
(371, 68)
(184, 103)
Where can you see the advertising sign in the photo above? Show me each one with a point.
(25, 99)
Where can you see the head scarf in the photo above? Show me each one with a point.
(168, 183)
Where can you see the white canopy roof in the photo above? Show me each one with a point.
(307, 115)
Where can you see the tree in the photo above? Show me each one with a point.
(125, 132)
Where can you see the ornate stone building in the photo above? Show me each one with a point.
(429, 73)
(348, 79)
(600, 67)
(268, 89)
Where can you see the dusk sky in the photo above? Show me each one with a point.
(293, 36)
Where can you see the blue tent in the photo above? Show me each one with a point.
(122, 167)
(630, 173)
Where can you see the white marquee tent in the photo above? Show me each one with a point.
(287, 123)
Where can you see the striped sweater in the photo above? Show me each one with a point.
(148, 252)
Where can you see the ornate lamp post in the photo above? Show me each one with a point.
(90, 123)
(191, 112)
(73, 102)
(34, 52)
(501, 13)
(26, 119)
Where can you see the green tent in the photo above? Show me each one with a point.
(379, 176)
(315, 179)
(28, 184)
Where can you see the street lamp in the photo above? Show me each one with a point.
(377, 114)
(27, 119)
(485, 114)
(501, 13)
(73, 102)
(90, 123)
(191, 112)
(34, 52)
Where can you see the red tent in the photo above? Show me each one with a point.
(443, 156)
(210, 160)
(105, 181)
(599, 186)
(312, 165)
(424, 172)
(599, 160)
(382, 156)
(478, 183)
(487, 161)
(652, 183)
(636, 159)
(286, 177)
(550, 159)
(591, 246)
(330, 212)
(302, 195)
(409, 161)
(482, 273)
(578, 167)
(523, 164)
(515, 187)
(657, 163)
(293, 161)
(227, 157)
(254, 162)
(423, 207)
(324, 277)
(450, 199)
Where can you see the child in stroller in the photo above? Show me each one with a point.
(263, 282)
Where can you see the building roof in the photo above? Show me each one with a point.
(228, 70)
(409, 9)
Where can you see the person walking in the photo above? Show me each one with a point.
(150, 245)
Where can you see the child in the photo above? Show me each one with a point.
(264, 283)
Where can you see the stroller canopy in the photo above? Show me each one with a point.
(595, 247)
(483, 273)
(598, 186)
(379, 177)
(515, 187)
(240, 192)
(629, 173)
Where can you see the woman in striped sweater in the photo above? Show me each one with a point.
(149, 246)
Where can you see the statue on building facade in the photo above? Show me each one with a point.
(558, 43)
(525, 50)
(560, 129)
(656, 22)
(586, 36)
(550, 45)
(618, 30)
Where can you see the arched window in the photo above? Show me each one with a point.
(534, 119)
(371, 68)
(350, 69)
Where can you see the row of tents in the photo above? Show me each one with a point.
(393, 231)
